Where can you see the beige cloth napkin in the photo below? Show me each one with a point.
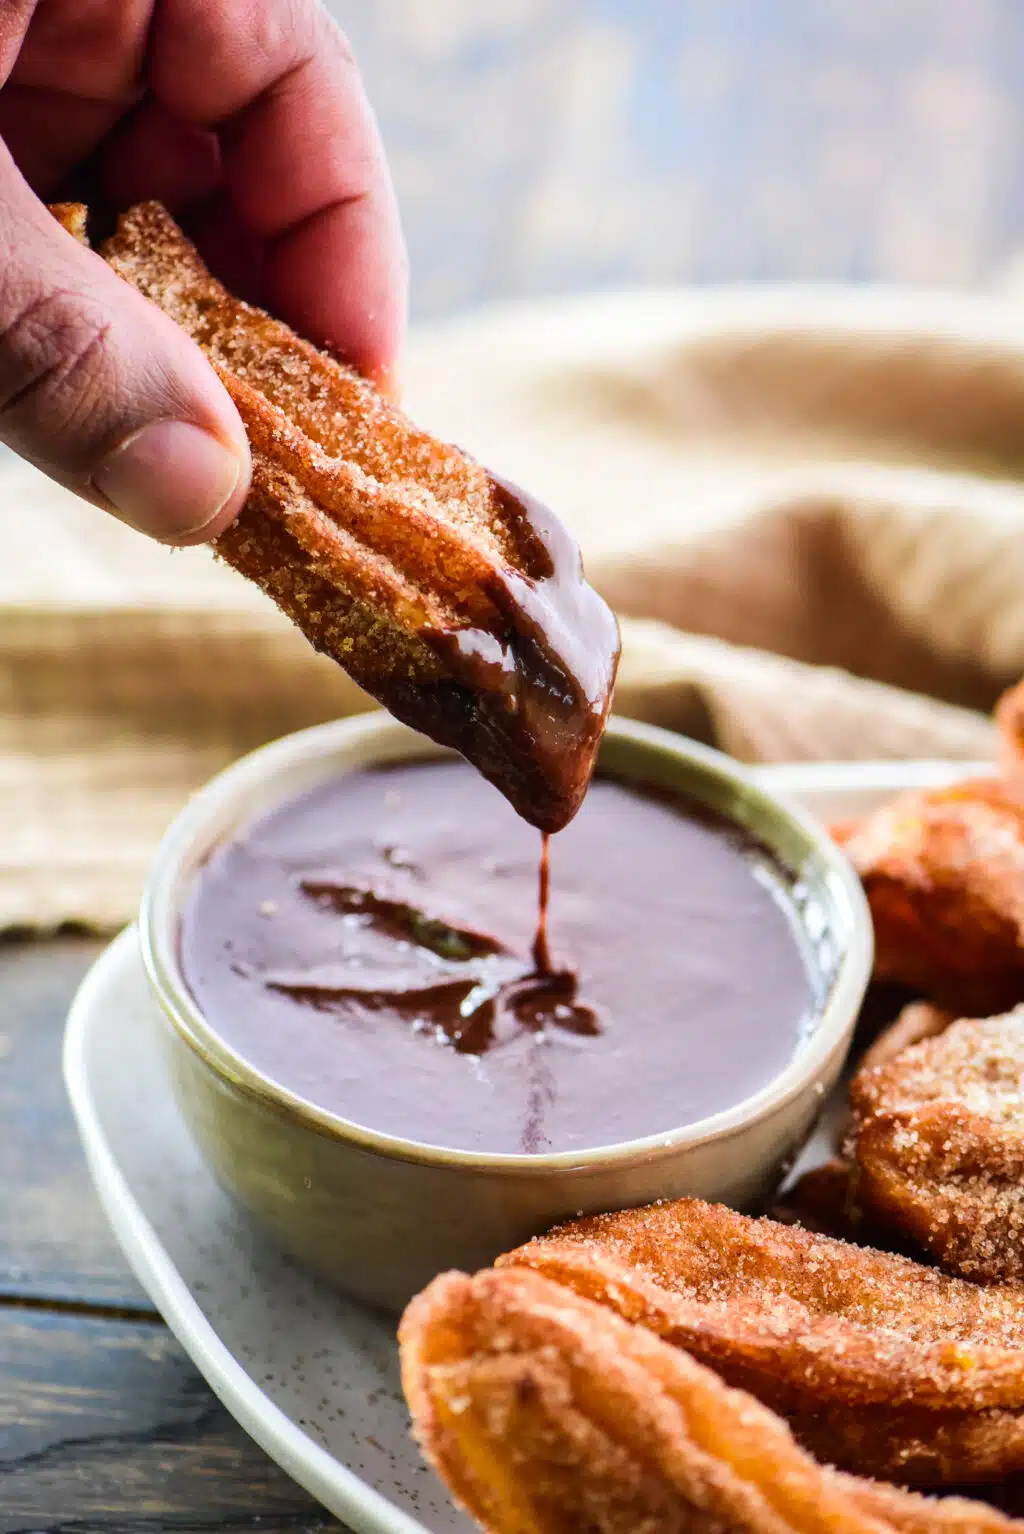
(805, 507)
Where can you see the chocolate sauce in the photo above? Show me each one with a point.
(532, 694)
(371, 946)
(541, 949)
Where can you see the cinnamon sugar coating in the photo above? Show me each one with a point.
(545, 1413)
(878, 1363)
(917, 1021)
(823, 1200)
(943, 870)
(826, 1199)
(938, 1139)
(453, 599)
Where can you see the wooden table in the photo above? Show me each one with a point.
(536, 148)
(104, 1423)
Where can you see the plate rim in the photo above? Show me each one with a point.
(333, 1484)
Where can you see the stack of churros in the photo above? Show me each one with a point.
(687, 1367)
(681, 1367)
(546, 1413)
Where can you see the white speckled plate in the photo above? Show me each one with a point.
(313, 1378)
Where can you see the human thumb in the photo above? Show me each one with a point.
(102, 391)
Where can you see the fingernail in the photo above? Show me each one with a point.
(170, 480)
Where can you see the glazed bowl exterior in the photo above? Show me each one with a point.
(378, 1216)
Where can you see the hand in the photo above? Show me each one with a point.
(247, 118)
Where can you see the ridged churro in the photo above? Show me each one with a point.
(546, 1414)
(878, 1363)
(938, 1145)
(943, 870)
(451, 596)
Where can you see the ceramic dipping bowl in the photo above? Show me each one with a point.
(377, 1216)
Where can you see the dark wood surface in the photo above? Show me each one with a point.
(104, 1423)
(539, 147)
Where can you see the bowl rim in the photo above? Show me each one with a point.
(189, 835)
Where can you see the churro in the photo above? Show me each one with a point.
(938, 1142)
(546, 1414)
(452, 597)
(878, 1363)
(943, 870)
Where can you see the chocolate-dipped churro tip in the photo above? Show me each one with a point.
(453, 598)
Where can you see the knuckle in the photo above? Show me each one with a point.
(282, 35)
(53, 359)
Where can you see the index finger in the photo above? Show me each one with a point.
(303, 161)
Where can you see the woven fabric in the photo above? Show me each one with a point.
(806, 511)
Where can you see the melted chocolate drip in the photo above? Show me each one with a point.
(536, 687)
(400, 920)
(373, 945)
(475, 992)
(541, 948)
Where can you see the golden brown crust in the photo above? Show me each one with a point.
(74, 217)
(824, 1201)
(917, 1021)
(938, 1137)
(943, 871)
(546, 1414)
(449, 597)
(878, 1363)
(827, 1199)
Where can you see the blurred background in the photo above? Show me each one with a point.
(546, 145)
(806, 510)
